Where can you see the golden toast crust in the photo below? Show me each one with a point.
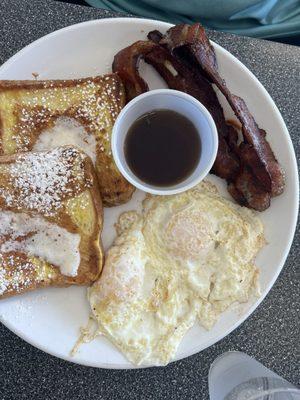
(21, 272)
(27, 108)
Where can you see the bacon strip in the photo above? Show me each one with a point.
(126, 64)
(178, 77)
(251, 170)
(191, 44)
(242, 184)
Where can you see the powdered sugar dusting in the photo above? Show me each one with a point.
(39, 181)
(95, 101)
(15, 275)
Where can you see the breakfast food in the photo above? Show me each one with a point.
(50, 220)
(186, 60)
(185, 257)
(41, 115)
(179, 77)
(126, 65)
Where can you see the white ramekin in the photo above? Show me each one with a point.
(175, 101)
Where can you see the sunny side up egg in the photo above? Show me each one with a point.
(185, 257)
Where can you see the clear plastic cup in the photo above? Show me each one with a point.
(236, 376)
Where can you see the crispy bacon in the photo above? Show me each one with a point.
(126, 64)
(191, 44)
(179, 77)
(186, 60)
(247, 191)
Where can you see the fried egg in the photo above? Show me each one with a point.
(184, 258)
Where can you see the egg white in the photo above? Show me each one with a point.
(185, 257)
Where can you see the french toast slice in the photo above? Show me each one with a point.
(40, 115)
(50, 220)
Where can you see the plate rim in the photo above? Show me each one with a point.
(6, 65)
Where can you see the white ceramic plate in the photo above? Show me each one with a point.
(50, 319)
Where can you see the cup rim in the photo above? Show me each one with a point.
(157, 190)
